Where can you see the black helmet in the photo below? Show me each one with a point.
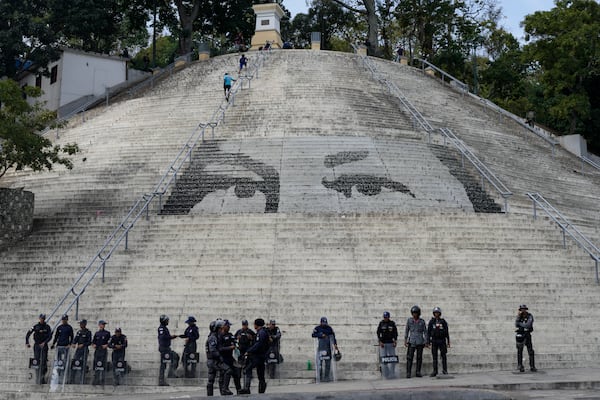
(65, 317)
(437, 309)
(523, 307)
(415, 310)
(386, 314)
(164, 319)
(190, 319)
(211, 326)
(219, 324)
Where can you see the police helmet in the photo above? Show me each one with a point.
(65, 317)
(226, 322)
(42, 316)
(219, 324)
(164, 319)
(337, 355)
(118, 329)
(211, 326)
(190, 319)
(415, 310)
(83, 322)
(437, 310)
(323, 320)
(523, 307)
(244, 322)
(386, 314)
(272, 322)
(259, 322)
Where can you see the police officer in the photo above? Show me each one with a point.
(191, 335)
(164, 347)
(415, 339)
(227, 345)
(256, 357)
(274, 342)
(42, 334)
(524, 327)
(214, 361)
(387, 333)
(100, 343)
(81, 342)
(118, 344)
(245, 339)
(63, 336)
(439, 339)
(325, 334)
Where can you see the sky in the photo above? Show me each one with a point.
(514, 11)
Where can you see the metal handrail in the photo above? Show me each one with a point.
(567, 228)
(590, 162)
(463, 86)
(484, 171)
(142, 206)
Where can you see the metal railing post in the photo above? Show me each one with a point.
(534, 209)
(103, 270)
(564, 238)
(597, 279)
(77, 308)
(127, 240)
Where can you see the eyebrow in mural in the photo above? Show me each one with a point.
(207, 174)
(369, 185)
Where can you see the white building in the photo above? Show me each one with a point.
(77, 76)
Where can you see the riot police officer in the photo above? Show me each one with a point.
(118, 344)
(256, 357)
(214, 362)
(524, 327)
(439, 339)
(42, 334)
(81, 342)
(274, 342)
(191, 335)
(100, 343)
(63, 336)
(245, 339)
(325, 335)
(415, 339)
(164, 348)
(227, 346)
(387, 333)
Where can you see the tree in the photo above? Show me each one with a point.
(565, 47)
(26, 39)
(333, 21)
(369, 11)
(20, 145)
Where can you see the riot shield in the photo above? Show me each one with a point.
(79, 366)
(60, 368)
(35, 365)
(119, 371)
(324, 362)
(387, 361)
(273, 358)
(100, 366)
(166, 364)
(190, 363)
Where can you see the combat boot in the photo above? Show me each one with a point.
(209, 390)
(262, 387)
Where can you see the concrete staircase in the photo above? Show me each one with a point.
(324, 129)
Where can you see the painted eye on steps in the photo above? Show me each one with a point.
(368, 185)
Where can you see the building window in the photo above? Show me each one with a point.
(38, 81)
(54, 74)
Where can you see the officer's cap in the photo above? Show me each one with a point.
(226, 322)
(272, 322)
(65, 317)
(42, 316)
(323, 320)
(102, 322)
(83, 322)
(117, 329)
(190, 319)
(523, 307)
(259, 322)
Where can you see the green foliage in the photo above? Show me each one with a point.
(166, 51)
(565, 46)
(20, 145)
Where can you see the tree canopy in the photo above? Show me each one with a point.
(20, 145)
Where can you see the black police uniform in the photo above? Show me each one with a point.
(82, 340)
(257, 355)
(245, 339)
(164, 347)
(437, 332)
(63, 336)
(214, 362)
(118, 344)
(226, 346)
(42, 334)
(524, 325)
(101, 339)
(192, 335)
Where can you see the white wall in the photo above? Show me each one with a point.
(84, 74)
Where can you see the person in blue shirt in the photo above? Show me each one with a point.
(227, 82)
(100, 343)
(326, 336)
(243, 62)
